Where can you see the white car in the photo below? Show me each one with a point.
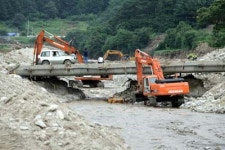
(48, 57)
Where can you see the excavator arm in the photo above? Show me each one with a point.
(57, 42)
(143, 59)
(118, 53)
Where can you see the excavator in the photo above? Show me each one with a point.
(92, 81)
(116, 55)
(155, 87)
(152, 88)
(58, 43)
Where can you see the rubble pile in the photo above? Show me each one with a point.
(128, 93)
(214, 99)
(33, 118)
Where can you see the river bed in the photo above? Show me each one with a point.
(145, 127)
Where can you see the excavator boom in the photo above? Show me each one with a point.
(66, 47)
(143, 59)
(58, 43)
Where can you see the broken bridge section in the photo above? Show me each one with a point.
(117, 68)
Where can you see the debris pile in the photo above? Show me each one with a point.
(213, 100)
(128, 93)
(33, 118)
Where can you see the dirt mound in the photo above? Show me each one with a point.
(8, 45)
(213, 99)
(154, 43)
(33, 118)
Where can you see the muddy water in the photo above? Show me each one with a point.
(145, 128)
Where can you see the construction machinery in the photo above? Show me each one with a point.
(93, 81)
(58, 43)
(116, 55)
(153, 88)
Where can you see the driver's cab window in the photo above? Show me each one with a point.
(146, 83)
(45, 54)
(152, 80)
(55, 53)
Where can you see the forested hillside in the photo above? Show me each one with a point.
(120, 24)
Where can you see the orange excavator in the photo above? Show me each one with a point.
(92, 81)
(58, 43)
(155, 88)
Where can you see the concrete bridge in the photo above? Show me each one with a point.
(113, 68)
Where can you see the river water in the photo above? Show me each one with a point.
(145, 128)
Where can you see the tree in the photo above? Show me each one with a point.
(96, 39)
(181, 37)
(50, 10)
(186, 10)
(214, 14)
(67, 8)
(91, 6)
(3, 12)
(19, 20)
(123, 40)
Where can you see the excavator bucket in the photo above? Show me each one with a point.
(115, 100)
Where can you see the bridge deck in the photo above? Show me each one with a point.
(118, 68)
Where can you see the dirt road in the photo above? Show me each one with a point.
(145, 128)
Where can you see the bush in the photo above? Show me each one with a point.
(219, 38)
(3, 33)
(181, 37)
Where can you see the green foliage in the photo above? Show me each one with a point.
(128, 41)
(219, 38)
(214, 14)
(25, 40)
(19, 20)
(190, 39)
(91, 6)
(203, 36)
(143, 37)
(167, 51)
(3, 29)
(123, 40)
(79, 39)
(57, 26)
(135, 14)
(83, 17)
(186, 10)
(110, 24)
(96, 39)
(50, 10)
(3, 33)
(4, 48)
(181, 37)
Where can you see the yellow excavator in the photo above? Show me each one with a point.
(117, 55)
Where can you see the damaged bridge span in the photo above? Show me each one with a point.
(116, 68)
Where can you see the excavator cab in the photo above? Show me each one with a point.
(148, 81)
